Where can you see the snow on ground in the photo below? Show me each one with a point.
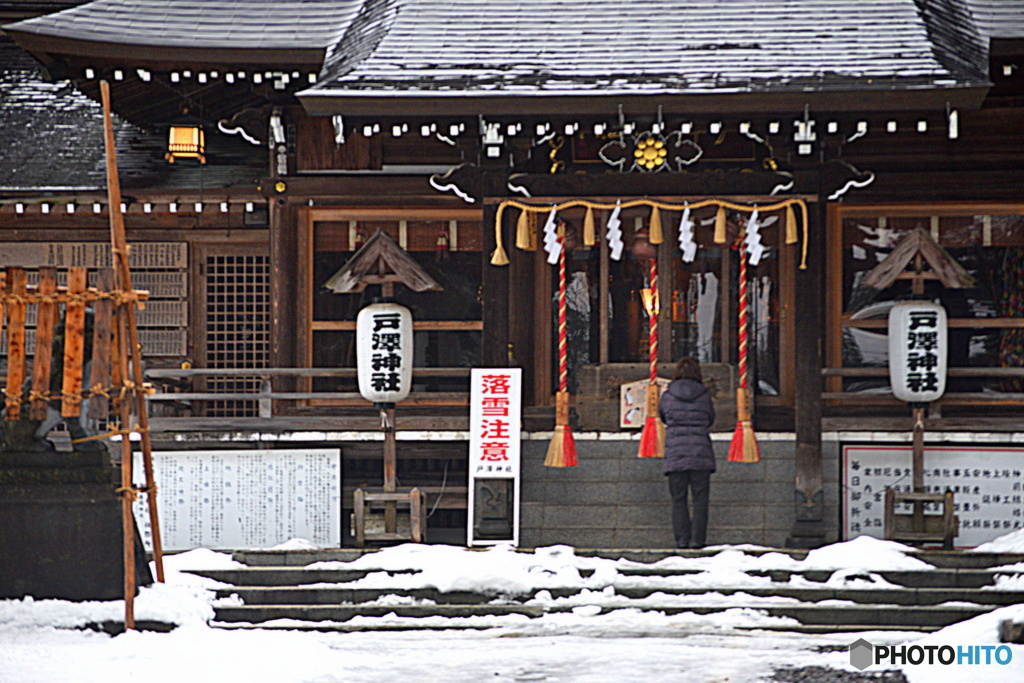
(43, 640)
(1010, 543)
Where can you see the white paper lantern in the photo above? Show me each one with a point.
(918, 348)
(384, 352)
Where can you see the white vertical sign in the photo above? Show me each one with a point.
(495, 409)
(384, 352)
(917, 351)
(495, 412)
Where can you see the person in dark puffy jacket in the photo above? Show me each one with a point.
(688, 413)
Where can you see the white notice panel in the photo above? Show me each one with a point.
(988, 485)
(244, 499)
(495, 408)
(495, 430)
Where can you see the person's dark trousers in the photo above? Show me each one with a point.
(691, 531)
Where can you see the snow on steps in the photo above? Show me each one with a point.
(276, 591)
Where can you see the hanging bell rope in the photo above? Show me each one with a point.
(652, 438)
(500, 258)
(744, 446)
(562, 449)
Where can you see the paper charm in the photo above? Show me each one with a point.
(614, 233)
(551, 244)
(752, 239)
(687, 245)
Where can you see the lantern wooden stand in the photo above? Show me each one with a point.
(907, 262)
(917, 527)
(381, 261)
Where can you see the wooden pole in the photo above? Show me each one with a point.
(390, 468)
(17, 288)
(129, 338)
(918, 474)
(390, 452)
(45, 324)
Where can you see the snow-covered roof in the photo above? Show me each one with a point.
(238, 24)
(51, 139)
(528, 48)
(999, 18)
(653, 47)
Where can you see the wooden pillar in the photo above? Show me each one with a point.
(543, 337)
(495, 283)
(809, 495)
(603, 291)
(666, 283)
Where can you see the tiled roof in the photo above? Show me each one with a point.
(244, 24)
(50, 135)
(999, 18)
(515, 47)
(606, 47)
(51, 139)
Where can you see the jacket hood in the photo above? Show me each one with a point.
(686, 389)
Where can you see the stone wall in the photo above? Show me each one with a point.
(613, 499)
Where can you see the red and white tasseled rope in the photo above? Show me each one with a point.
(743, 314)
(652, 320)
(563, 366)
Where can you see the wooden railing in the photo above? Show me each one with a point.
(949, 398)
(267, 394)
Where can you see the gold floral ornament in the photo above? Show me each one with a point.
(650, 153)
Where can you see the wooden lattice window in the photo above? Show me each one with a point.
(237, 301)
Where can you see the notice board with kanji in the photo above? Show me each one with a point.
(988, 483)
(244, 499)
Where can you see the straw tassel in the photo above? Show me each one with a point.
(744, 446)
(656, 235)
(589, 235)
(499, 257)
(791, 237)
(562, 449)
(720, 236)
(523, 230)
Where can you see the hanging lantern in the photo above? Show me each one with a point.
(918, 350)
(384, 352)
(186, 142)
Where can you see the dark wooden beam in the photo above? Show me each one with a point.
(496, 304)
(809, 494)
(749, 103)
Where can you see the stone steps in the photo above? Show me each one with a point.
(863, 617)
(326, 595)
(287, 595)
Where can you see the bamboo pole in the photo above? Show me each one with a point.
(129, 339)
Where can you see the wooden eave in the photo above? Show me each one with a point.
(918, 242)
(162, 58)
(399, 103)
(380, 260)
(152, 103)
